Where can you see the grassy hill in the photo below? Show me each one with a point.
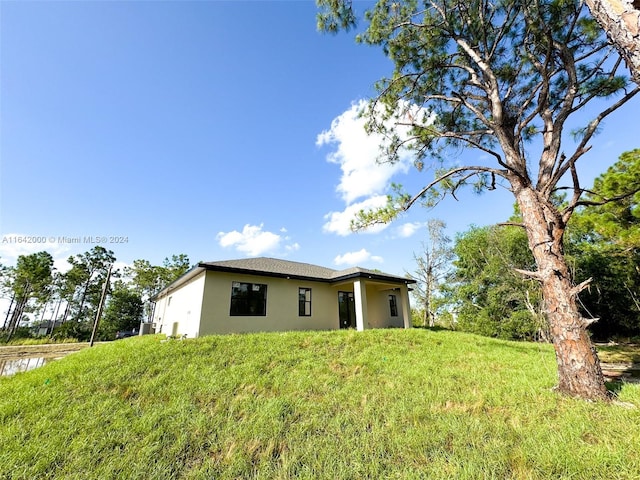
(337, 405)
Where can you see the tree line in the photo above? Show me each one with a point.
(63, 305)
(482, 290)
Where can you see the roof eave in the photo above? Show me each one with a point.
(373, 276)
(262, 273)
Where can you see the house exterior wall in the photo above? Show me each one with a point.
(379, 312)
(179, 312)
(282, 305)
(202, 305)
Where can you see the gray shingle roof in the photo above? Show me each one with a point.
(274, 266)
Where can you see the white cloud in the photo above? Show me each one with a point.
(408, 229)
(340, 222)
(253, 241)
(294, 247)
(355, 258)
(357, 153)
(61, 264)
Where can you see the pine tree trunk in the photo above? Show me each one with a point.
(16, 316)
(67, 308)
(82, 300)
(5, 326)
(579, 372)
(621, 20)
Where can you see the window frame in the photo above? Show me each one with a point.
(241, 305)
(303, 302)
(393, 305)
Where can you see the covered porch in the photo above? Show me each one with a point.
(365, 303)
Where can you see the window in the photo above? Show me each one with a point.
(248, 299)
(169, 301)
(393, 305)
(304, 302)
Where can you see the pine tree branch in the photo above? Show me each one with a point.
(528, 273)
(475, 170)
(581, 286)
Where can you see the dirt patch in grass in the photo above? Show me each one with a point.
(12, 352)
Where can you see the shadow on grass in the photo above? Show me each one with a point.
(620, 353)
(433, 329)
(617, 375)
(614, 387)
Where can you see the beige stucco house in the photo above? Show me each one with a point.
(267, 294)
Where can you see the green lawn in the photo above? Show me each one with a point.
(337, 405)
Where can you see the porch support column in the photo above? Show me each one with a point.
(406, 306)
(360, 298)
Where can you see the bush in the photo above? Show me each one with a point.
(520, 325)
(20, 333)
(81, 331)
(123, 313)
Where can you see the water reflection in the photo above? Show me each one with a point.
(15, 365)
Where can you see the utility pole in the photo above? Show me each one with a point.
(105, 289)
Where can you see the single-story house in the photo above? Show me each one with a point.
(268, 294)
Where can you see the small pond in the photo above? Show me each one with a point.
(10, 366)
(21, 358)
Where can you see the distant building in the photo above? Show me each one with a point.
(44, 328)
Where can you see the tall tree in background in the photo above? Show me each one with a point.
(147, 279)
(85, 278)
(431, 267)
(175, 267)
(4, 270)
(5, 291)
(615, 224)
(58, 295)
(486, 292)
(123, 312)
(29, 280)
(494, 76)
(66, 285)
(621, 20)
(604, 241)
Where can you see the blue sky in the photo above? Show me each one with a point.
(216, 129)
